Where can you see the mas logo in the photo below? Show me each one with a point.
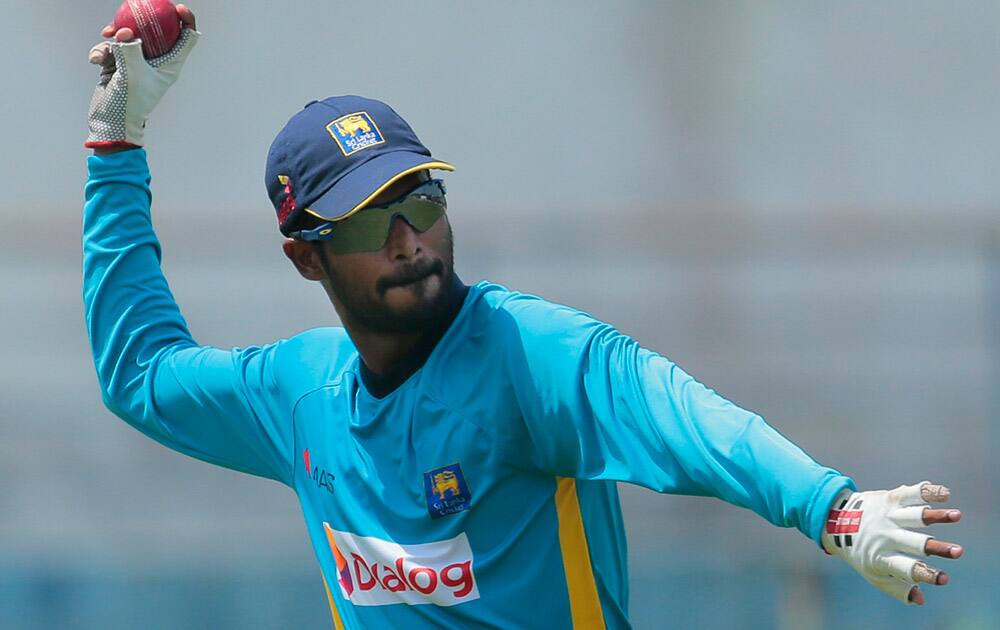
(355, 132)
(376, 572)
(320, 476)
(446, 490)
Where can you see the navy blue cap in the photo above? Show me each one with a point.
(336, 155)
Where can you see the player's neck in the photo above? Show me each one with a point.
(390, 358)
(382, 353)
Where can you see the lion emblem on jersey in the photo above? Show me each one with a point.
(445, 483)
(447, 491)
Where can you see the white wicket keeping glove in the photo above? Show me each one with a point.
(872, 532)
(130, 87)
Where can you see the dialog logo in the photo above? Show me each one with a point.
(355, 132)
(376, 572)
(446, 490)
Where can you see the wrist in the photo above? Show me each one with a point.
(108, 147)
(840, 524)
(110, 150)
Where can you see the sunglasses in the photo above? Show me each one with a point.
(368, 229)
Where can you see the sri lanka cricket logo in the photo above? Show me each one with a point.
(446, 490)
(355, 132)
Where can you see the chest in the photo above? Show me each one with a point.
(398, 467)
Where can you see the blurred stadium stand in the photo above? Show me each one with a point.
(865, 338)
(796, 202)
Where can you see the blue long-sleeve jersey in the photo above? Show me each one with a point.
(478, 494)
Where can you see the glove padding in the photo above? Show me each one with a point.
(870, 530)
(130, 87)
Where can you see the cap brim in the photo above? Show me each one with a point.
(354, 190)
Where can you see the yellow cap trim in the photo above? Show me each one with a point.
(584, 602)
(441, 166)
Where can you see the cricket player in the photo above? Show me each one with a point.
(455, 448)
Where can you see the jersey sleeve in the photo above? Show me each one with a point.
(596, 405)
(221, 406)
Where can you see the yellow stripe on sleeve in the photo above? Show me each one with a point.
(584, 604)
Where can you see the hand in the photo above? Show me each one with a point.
(871, 531)
(100, 52)
(130, 85)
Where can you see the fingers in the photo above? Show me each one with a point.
(188, 39)
(923, 492)
(923, 572)
(905, 567)
(943, 549)
(119, 35)
(922, 515)
(915, 543)
(100, 53)
(908, 495)
(909, 542)
(916, 596)
(186, 16)
(932, 517)
(934, 493)
(898, 565)
(124, 35)
(909, 517)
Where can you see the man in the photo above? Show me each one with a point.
(455, 449)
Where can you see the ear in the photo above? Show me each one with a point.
(306, 259)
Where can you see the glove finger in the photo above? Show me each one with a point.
(900, 566)
(186, 15)
(189, 38)
(179, 53)
(898, 587)
(923, 572)
(910, 542)
(907, 495)
(934, 547)
(935, 493)
(128, 54)
(908, 517)
(100, 54)
(897, 565)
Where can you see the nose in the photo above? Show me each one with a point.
(403, 241)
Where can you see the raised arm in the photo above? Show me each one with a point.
(221, 406)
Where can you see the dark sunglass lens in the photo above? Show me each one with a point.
(421, 213)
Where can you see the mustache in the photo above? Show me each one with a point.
(409, 274)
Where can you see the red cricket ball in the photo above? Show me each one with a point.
(155, 22)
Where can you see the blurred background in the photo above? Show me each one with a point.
(796, 202)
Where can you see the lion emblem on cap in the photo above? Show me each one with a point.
(351, 125)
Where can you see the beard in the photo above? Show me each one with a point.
(428, 310)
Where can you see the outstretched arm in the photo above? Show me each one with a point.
(598, 406)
